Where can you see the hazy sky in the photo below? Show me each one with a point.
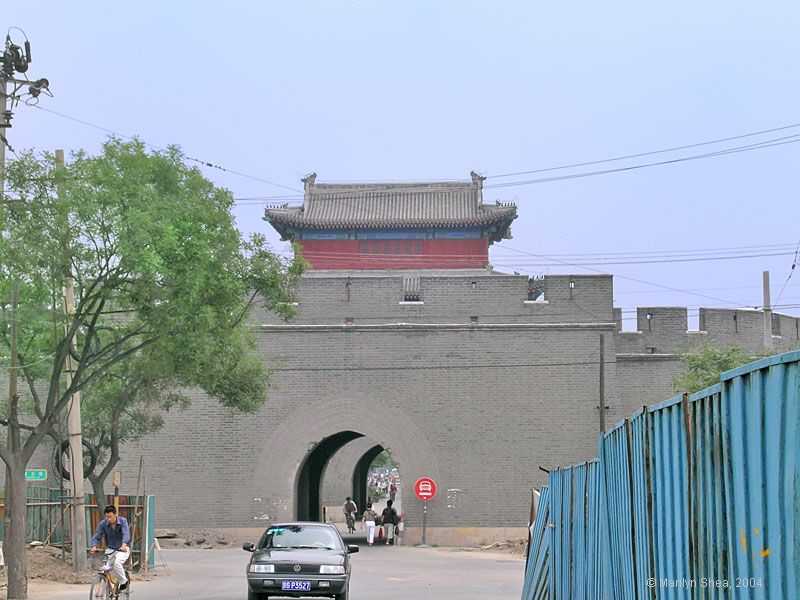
(389, 90)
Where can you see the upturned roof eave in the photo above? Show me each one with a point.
(298, 221)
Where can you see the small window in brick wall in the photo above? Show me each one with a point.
(411, 291)
(535, 288)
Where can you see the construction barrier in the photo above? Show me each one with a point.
(697, 497)
(47, 520)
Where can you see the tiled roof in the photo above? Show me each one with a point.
(423, 204)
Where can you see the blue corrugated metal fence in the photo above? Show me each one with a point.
(697, 497)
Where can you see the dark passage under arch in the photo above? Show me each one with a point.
(310, 475)
(360, 476)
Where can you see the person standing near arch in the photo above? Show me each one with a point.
(389, 520)
(369, 518)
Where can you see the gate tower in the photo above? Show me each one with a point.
(424, 225)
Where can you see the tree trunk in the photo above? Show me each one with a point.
(15, 543)
(98, 488)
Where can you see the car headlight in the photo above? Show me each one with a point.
(258, 568)
(331, 570)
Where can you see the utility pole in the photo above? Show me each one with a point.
(5, 122)
(74, 431)
(14, 85)
(602, 383)
(767, 312)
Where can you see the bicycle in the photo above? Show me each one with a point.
(105, 587)
(351, 522)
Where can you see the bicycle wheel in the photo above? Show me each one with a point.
(100, 589)
(126, 593)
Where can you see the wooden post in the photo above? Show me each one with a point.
(602, 384)
(74, 434)
(767, 312)
(135, 517)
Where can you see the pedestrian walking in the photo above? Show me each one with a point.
(369, 518)
(392, 491)
(389, 521)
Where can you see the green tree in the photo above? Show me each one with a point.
(704, 365)
(164, 286)
(382, 461)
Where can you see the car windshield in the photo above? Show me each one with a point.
(299, 536)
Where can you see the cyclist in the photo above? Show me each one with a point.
(114, 529)
(350, 509)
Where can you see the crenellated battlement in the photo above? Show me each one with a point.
(484, 296)
(665, 330)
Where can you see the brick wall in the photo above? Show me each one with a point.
(664, 330)
(453, 296)
(477, 408)
(475, 386)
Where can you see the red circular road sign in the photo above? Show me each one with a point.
(425, 488)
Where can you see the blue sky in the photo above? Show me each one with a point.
(386, 90)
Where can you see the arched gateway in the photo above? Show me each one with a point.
(293, 459)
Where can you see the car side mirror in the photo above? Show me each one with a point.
(352, 549)
(249, 547)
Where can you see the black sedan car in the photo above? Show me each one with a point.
(299, 560)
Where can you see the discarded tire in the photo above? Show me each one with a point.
(58, 459)
(95, 343)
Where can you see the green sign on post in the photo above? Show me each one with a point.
(36, 475)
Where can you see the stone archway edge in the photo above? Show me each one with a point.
(285, 450)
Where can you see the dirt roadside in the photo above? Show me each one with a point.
(204, 539)
(514, 548)
(45, 565)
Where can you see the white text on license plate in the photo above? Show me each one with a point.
(296, 586)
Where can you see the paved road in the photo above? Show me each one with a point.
(379, 572)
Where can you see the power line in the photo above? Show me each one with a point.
(460, 258)
(662, 261)
(644, 254)
(162, 149)
(688, 250)
(791, 271)
(628, 278)
(748, 148)
(741, 287)
(756, 146)
(791, 139)
(650, 153)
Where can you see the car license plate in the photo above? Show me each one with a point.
(296, 586)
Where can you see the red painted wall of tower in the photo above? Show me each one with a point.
(396, 254)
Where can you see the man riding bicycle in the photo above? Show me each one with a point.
(350, 509)
(114, 529)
